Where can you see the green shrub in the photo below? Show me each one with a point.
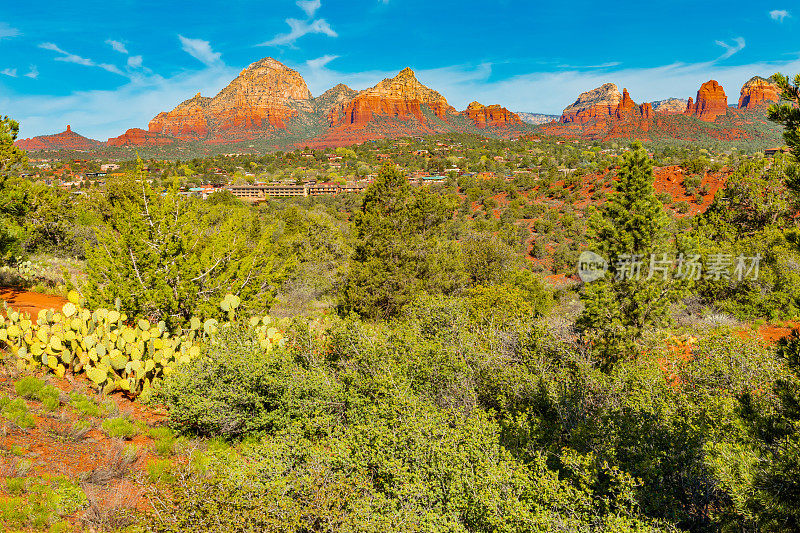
(35, 389)
(160, 470)
(85, 406)
(682, 207)
(164, 440)
(119, 428)
(29, 387)
(235, 388)
(17, 412)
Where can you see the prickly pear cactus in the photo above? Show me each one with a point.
(113, 352)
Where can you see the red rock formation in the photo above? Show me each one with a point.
(711, 102)
(140, 137)
(400, 97)
(597, 103)
(758, 92)
(626, 108)
(671, 106)
(187, 121)
(646, 111)
(66, 140)
(263, 97)
(491, 116)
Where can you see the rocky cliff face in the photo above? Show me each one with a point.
(400, 97)
(491, 116)
(140, 137)
(758, 92)
(262, 97)
(710, 103)
(537, 118)
(66, 140)
(597, 103)
(605, 103)
(187, 121)
(670, 106)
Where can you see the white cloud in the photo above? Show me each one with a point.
(601, 65)
(33, 72)
(200, 50)
(299, 28)
(318, 63)
(135, 61)
(7, 31)
(68, 57)
(9, 72)
(101, 114)
(118, 46)
(309, 6)
(731, 49)
(779, 14)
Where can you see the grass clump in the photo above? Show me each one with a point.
(16, 411)
(40, 503)
(164, 440)
(121, 428)
(85, 407)
(36, 389)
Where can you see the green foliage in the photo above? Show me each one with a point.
(164, 440)
(118, 428)
(40, 503)
(13, 202)
(787, 112)
(85, 406)
(16, 411)
(221, 250)
(398, 251)
(761, 472)
(36, 389)
(630, 224)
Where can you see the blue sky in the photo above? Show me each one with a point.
(106, 66)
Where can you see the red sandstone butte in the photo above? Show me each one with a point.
(710, 103)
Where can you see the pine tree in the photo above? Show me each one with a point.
(13, 203)
(787, 112)
(169, 258)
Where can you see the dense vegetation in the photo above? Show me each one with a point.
(428, 378)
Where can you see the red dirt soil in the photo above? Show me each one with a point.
(30, 302)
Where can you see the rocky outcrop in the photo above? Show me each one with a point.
(626, 108)
(491, 116)
(400, 97)
(670, 106)
(710, 103)
(758, 92)
(262, 97)
(597, 103)
(333, 98)
(140, 137)
(537, 118)
(66, 140)
(187, 121)
(605, 104)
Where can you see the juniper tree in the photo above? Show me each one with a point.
(627, 231)
(167, 257)
(398, 252)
